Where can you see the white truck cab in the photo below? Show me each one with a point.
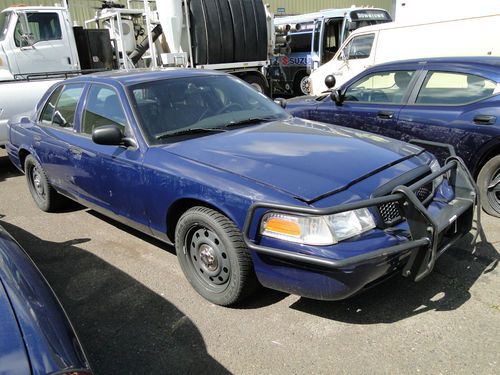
(35, 40)
(475, 34)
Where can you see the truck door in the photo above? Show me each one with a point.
(40, 43)
(358, 55)
(316, 45)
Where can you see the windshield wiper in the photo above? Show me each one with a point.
(189, 131)
(251, 120)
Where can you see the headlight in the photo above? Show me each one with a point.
(317, 230)
(434, 168)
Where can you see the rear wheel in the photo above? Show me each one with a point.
(258, 83)
(488, 182)
(213, 257)
(44, 195)
(301, 84)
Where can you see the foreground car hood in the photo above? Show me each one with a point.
(303, 158)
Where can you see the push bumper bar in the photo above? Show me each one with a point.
(429, 236)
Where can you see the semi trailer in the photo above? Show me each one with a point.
(39, 45)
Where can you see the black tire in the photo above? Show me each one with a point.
(257, 82)
(298, 88)
(198, 32)
(239, 29)
(44, 195)
(213, 257)
(488, 182)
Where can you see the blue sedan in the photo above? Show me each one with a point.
(36, 337)
(248, 194)
(450, 100)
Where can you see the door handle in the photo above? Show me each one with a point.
(75, 150)
(484, 120)
(385, 114)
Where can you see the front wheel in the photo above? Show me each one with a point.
(488, 182)
(213, 257)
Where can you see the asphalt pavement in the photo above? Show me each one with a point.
(135, 313)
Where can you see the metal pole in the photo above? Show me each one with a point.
(152, 49)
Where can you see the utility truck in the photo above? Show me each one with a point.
(466, 31)
(311, 40)
(39, 44)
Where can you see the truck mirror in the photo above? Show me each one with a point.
(27, 40)
(330, 81)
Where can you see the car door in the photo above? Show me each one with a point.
(371, 103)
(46, 48)
(451, 107)
(54, 133)
(108, 176)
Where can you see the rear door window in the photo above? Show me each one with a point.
(381, 87)
(451, 88)
(61, 107)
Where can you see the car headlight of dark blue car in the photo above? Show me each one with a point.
(317, 230)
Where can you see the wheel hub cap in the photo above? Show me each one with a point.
(37, 182)
(208, 258)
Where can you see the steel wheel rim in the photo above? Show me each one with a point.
(493, 191)
(257, 87)
(36, 182)
(304, 85)
(207, 257)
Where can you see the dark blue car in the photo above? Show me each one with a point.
(247, 193)
(36, 337)
(450, 100)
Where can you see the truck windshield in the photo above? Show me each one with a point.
(4, 23)
(169, 108)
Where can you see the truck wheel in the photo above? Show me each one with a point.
(44, 195)
(256, 82)
(488, 182)
(301, 84)
(213, 257)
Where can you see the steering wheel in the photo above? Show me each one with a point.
(378, 96)
(230, 105)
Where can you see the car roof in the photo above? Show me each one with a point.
(134, 76)
(490, 64)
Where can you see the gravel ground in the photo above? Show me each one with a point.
(135, 312)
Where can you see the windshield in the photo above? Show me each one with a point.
(169, 108)
(4, 23)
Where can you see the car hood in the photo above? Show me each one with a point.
(303, 158)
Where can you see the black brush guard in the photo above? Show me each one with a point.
(429, 237)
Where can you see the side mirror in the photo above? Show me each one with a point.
(27, 40)
(281, 102)
(330, 81)
(337, 97)
(111, 135)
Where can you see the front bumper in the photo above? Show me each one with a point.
(430, 234)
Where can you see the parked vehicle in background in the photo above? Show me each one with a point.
(36, 335)
(313, 40)
(245, 191)
(450, 100)
(38, 44)
(472, 36)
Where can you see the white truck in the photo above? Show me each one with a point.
(473, 35)
(313, 40)
(39, 45)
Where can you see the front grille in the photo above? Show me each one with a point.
(391, 212)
